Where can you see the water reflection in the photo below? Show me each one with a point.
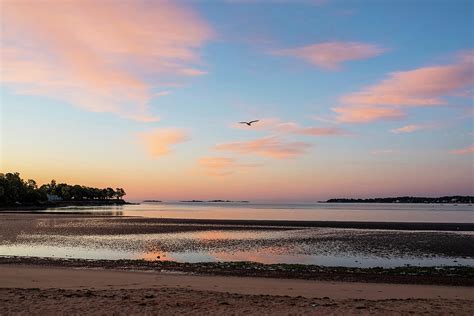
(322, 211)
(254, 256)
(321, 246)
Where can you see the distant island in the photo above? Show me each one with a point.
(454, 199)
(152, 201)
(213, 201)
(17, 193)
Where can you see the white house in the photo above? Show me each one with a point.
(53, 197)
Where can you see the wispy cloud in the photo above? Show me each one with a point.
(408, 129)
(277, 126)
(330, 55)
(463, 151)
(425, 86)
(325, 119)
(222, 166)
(158, 142)
(99, 55)
(272, 147)
(356, 114)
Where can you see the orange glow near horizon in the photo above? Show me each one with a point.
(289, 186)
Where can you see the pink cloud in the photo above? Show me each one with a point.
(425, 86)
(420, 87)
(221, 166)
(367, 113)
(159, 140)
(417, 127)
(99, 55)
(319, 131)
(330, 55)
(277, 126)
(191, 72)
(408, 129)
(463, 151)
(271, 146)
(325, 119)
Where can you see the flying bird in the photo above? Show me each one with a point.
(249, 123)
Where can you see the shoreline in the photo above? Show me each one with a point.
(445, 275)
(57, 204)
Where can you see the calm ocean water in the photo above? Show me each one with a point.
(448, 213)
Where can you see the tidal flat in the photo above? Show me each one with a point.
(264, 242)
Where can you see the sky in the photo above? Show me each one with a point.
(354, 98)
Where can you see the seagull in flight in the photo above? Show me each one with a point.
(249, 123)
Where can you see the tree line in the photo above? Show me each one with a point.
(13, 190)
(409, 199)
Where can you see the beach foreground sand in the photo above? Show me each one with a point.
(54, 290)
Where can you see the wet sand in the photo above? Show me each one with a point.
(456, 276)
(50, 290)
(148, 235)
(152, 224)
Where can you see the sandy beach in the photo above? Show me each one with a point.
(37, 290)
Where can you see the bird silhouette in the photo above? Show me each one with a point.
(249, 123)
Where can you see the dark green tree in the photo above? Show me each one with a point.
(119, 193)
(14, 190)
